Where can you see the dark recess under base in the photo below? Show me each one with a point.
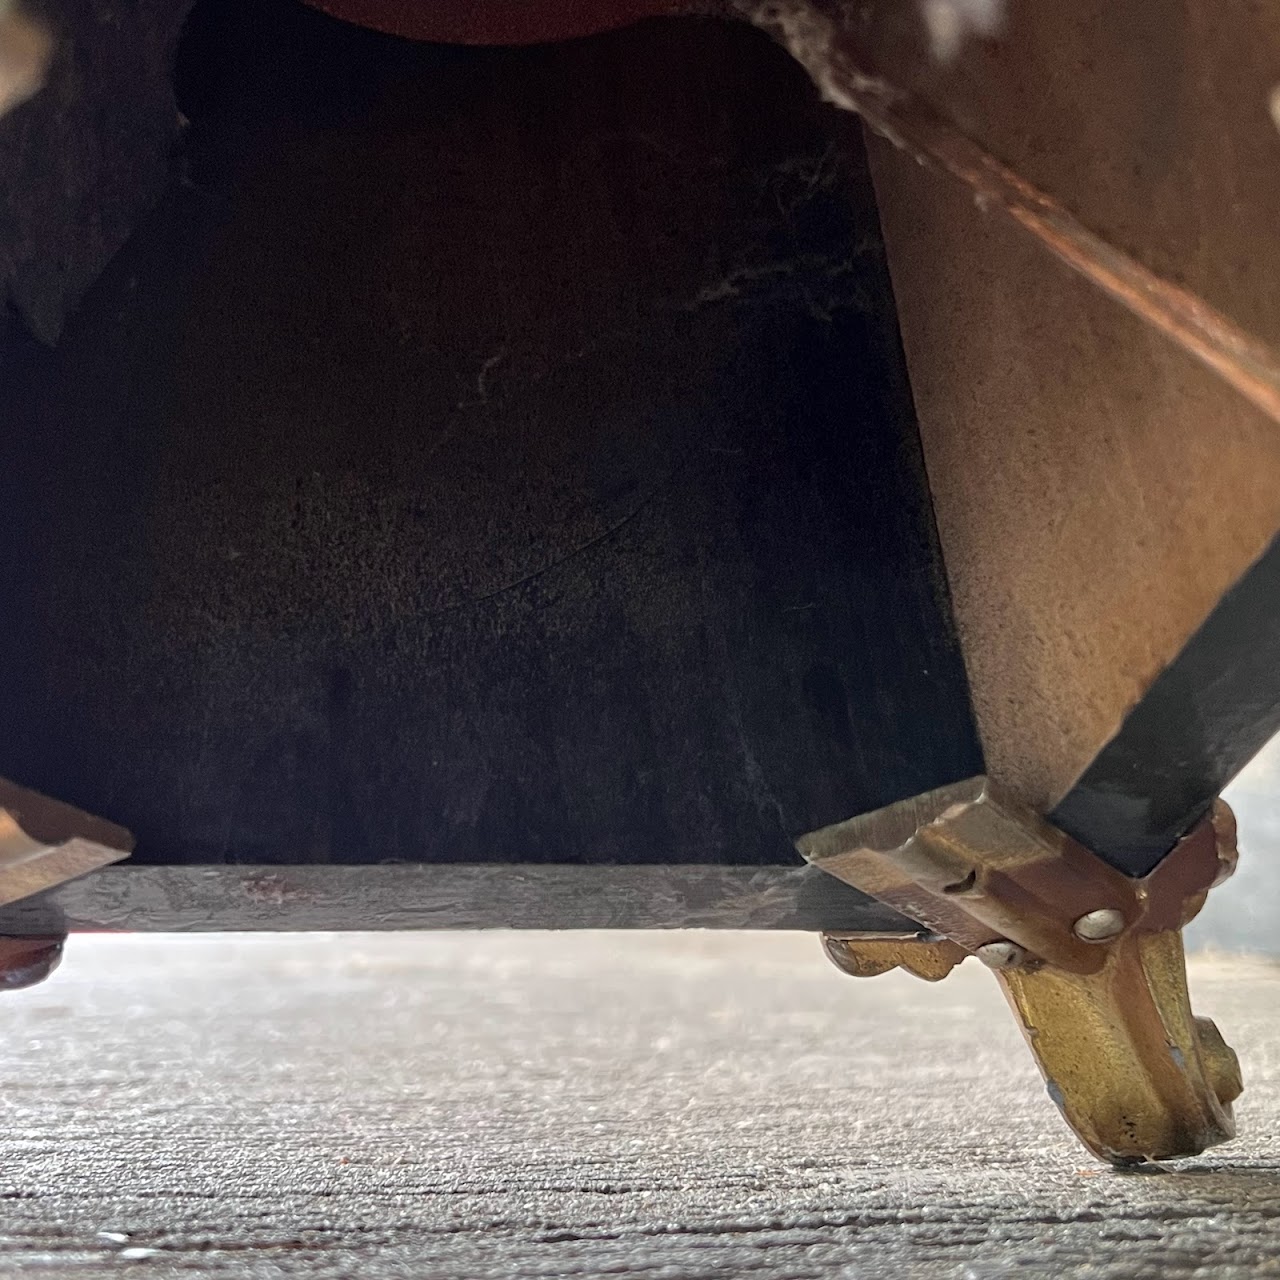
(480, 455)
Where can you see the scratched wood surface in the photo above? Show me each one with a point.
(580, 1105)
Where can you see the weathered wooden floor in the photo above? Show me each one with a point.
(589, 1105)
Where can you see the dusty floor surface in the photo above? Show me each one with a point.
(587, 1105)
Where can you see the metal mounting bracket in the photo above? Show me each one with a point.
(44, 843)
(1090, 960)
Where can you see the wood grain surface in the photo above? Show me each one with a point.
(583, 1105)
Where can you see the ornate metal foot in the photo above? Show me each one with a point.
(26, 961)
(1090, 960)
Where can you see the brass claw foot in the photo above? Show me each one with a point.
(1133, 1072)
(1090, 960)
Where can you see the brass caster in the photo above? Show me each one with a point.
(1090, 960)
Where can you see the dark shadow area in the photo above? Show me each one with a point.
(480, 455)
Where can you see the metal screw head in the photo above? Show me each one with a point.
(1001, 955)
(1100, 925)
